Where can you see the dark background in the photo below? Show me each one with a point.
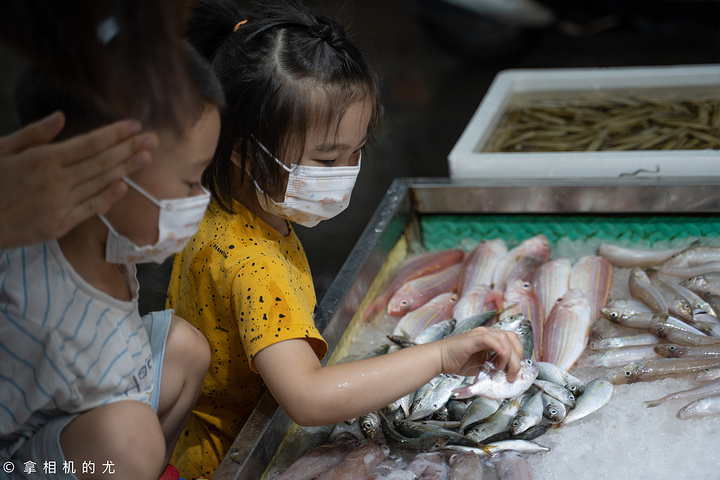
(436, 62)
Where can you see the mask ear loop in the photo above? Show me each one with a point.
(264, 149)
(141, 191)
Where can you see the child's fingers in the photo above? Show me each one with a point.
(32, 135)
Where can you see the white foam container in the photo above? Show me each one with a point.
(466, 159)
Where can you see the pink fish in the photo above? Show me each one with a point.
(436, 310)
(358, 463)
(551, 281)
(418, 292)
(522, 261)
(414, 267)
(480, 264)
(318, 460)
(565, 334)
(594, 276)
(479, 300)
(521, 299)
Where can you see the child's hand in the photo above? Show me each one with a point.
(465, 353)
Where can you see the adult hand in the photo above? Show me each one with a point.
(47, 189)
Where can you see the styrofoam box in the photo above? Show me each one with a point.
(466, 160)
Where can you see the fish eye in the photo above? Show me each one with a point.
(671, 348)
(628, 373)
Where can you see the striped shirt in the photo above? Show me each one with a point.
(65, 347)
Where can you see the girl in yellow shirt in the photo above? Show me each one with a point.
(302, 102)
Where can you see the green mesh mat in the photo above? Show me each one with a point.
(447, 231)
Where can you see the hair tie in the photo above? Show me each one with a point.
(237, 25)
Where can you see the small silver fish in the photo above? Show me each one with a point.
(434, 395)
(700, 408)
(478, 410)
(556, 391)
(369, 425)
(495, 423)
(529, 415)
(626, 341)
(620, 356)
(553, 409)
(705, 390)
(597, 393)
(552, 373)
(492, 383)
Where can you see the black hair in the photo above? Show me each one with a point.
(121, 55)
(38, 94)
(275, 63)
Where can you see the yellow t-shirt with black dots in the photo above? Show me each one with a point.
(244, 286)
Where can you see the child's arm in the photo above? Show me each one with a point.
(314, 395)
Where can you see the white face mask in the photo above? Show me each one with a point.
(312, 194)
(178, 221)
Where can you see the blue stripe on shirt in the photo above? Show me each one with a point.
(67, 307)
(77, 329)
(44, 348)
(31, 367)
(47, 286)
(19, 388)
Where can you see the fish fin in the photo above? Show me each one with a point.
(653, 403)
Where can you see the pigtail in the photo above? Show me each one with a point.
(213, 22)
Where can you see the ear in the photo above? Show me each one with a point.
(236, 157)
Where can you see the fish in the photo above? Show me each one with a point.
(647, 320)
(419, 291)
(318, 460)
(630, 305)
(597, 394)
(429, 465)
(399, 441)
(702, 284)
(691, 271)
(476, 302)
(625, 257)
(552, 373)
(435, 332)
(433, 395)
(620, 356)
(652, 370)
(677, 334)
(478, 410)
(413, 429)
(492, 383)
(670, 350)
(456, 410)
(700, 408)
(529, 415)
(565, 334)
(480, 264)
(521, 446)
(556, 391)
(519, 298)
(551, 281)
(626, 341)
(522, 327)
(692, 257)
(391, 470)
(412, 268)
(403, 404)
(593, 275)
(469, 323)
(602, 328)
(369, 425)
(643, 289)
(701, 391)
(511, 465)
(708, 375)
(553, 409)
(677, 304)
(357, 464)
(436, 310)
(522, 261)
(495, 423)
(465, 466)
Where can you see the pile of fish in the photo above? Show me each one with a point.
(609, 122)
(669, 328)
(453, 425)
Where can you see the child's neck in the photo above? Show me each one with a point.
(84, 248)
